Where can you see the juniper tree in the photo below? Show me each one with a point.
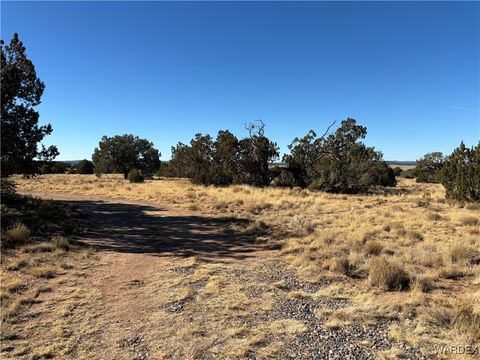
(21, 92)
(429, 167)
(460, 174)
(123, 153)
(339, 161)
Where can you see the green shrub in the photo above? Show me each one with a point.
(52, 167)
(8, 191)
(84, 167)
(285, 179)
(135, 176)
(409, 174)
(429, 167)
(226, 159)
(122, 153)
(397, 171)
(338, 162)
(461, 174)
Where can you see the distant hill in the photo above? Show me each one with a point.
(402, 163)
(70, 162)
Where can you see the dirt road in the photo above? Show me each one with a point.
(166, 284)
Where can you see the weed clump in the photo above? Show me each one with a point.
(373, 248)
(344, 266)
(388, 276)
(61, 242)
(469, 221)
(17, 235)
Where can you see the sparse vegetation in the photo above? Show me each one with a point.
(61, 242)
(223, 253)
(373, 245)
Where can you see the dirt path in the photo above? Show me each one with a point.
(172, 285)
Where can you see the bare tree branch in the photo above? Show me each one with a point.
(256, 126)
(328, 129)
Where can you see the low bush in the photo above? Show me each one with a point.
(373, 248)
(285, 179)
(61, 242)
(135, 176)
(84, 167)
(343, 266)
(409, 174)
(469, 221)
(461, 252)
(397, 171)
(387, 275)
(17, 235)
(45, 272)
(452, 273)
(429, 167)
(467, 318)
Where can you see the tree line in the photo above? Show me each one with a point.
(458, 172)
(336, 161)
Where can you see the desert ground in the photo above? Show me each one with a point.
(172, 270)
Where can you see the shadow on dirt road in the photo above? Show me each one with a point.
(142, 228)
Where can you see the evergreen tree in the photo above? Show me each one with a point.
(123, 153)
(460, 174)
(21, 92)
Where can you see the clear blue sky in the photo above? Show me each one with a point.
(408, 71)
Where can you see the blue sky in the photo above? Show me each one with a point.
(408, 71)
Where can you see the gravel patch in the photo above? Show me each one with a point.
(176, 307)
(198, 284)
(183, 270)
(318, 342)
(136, 345)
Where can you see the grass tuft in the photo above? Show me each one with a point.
(61, 242)
(469, 221)
(373, 248)
(17, 235)
(388, 276)
(44, 272)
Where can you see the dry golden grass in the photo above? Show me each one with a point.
(28, 272)
(430, 241)
(387, 275)
(18, 234)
